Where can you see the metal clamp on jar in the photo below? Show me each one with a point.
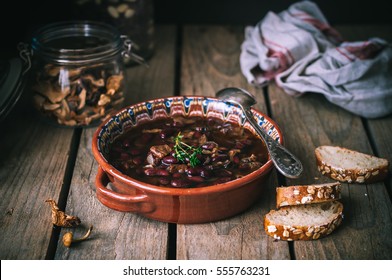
(78, 71)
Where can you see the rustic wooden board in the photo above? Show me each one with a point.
(380, 128)
(365, 31)
(210, 61)
(237, 238)
(381, 131)
(364, 233)
(33, 159)
(119, 235)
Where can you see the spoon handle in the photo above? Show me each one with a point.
(284, 161)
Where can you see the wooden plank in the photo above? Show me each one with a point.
(365, 31)
(380, 128)
(118, 235)
(310, 121)
(209, 63)
(364, 232)
(238, 238)
(381, 131)
(33, 159)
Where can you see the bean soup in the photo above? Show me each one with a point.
(189, 152)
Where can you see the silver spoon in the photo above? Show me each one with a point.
(284, 161)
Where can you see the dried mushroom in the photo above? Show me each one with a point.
(78, 96)
(68, 239)
(60, 218)
(113, 84)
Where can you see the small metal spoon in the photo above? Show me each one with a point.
(284, 161)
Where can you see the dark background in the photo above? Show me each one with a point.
(18, 18)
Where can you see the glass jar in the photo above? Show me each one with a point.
(134, 18)
(78, 72)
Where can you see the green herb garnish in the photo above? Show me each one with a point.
(184, 152)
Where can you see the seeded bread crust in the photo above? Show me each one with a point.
(299, 228)
(305, 194)
(363, 168)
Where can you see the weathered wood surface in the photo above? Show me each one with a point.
(33, 159)
(364, 233)
(199, 61)
(119, 235)
(210, 62)
(380, 129)
(306, 122)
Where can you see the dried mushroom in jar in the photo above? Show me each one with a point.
(78, 96)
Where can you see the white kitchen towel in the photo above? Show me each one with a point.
(300, 51)
(356, 76)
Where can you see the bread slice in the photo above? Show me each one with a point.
(305, 194)
(304, 222)
(350, 166)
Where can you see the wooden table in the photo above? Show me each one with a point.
(38, 162)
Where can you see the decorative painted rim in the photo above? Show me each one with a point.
(166, 107)
(175, 106)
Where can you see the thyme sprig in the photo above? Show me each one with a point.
(185, 152)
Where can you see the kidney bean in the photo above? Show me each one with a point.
(219, 157)
(156, 172)
(180, 183)
(209, 145)
(193, 171)
(197, 179)
(169, 159)
(177, 175)
(163, 172)
(198, 171)
(150, 171)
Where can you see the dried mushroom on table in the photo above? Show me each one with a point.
(60, 218)
(78, 96)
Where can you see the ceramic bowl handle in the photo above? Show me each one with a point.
(121, 202)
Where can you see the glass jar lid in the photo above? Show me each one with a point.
(76, 42)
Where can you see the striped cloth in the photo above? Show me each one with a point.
(302, 53)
